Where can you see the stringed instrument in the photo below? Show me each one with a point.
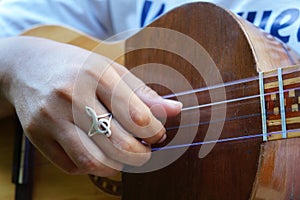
(238, 134)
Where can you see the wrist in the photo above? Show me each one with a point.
(20, 59)
(15, 53)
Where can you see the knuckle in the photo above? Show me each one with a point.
(128, 146)
(133, 153)
(147, 91)
(91, 73)
(30, 128)
(34, 124)
(141, 159)
(89, 69)
(94, 166)
(140, 118)
(88, 164)
(64, 92)
(103, 74)
(72, 171)
(44, 112)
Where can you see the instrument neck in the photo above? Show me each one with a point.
(280, 98)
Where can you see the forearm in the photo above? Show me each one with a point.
(10, 54)
(6, 108)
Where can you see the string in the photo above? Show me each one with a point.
(221, 140)
(231, 83)
(215, 121)
(221, 120)
(233, 100)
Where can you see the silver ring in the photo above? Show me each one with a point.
(100, 124)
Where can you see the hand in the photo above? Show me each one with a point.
(50, 84)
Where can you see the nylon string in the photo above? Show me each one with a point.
(227, 119)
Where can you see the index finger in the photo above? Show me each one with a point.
(147, 95)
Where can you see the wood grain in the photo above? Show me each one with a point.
(230, 170)
(239, 50)
(278, 175)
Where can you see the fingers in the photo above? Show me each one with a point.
(49, 113)
(75, 152)
(130, 111)
(68, 148)
(134, 110)
(137, 105)
(120, 146)
(85, 154)
(57, 156)
(123, 146)
(160, 107)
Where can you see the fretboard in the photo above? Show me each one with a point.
(280, 99)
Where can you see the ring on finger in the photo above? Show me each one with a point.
(100, 123)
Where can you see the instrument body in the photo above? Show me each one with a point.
(231, 170)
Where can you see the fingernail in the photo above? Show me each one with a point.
(174, 103)
(164, 137)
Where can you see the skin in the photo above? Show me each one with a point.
(48, 85)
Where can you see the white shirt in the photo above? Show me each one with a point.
(104, 18)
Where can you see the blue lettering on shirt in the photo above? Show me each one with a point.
(264, 20)
(298, 35)
(145, 12)
(251, 16)
(284, 20)
(292, 14)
